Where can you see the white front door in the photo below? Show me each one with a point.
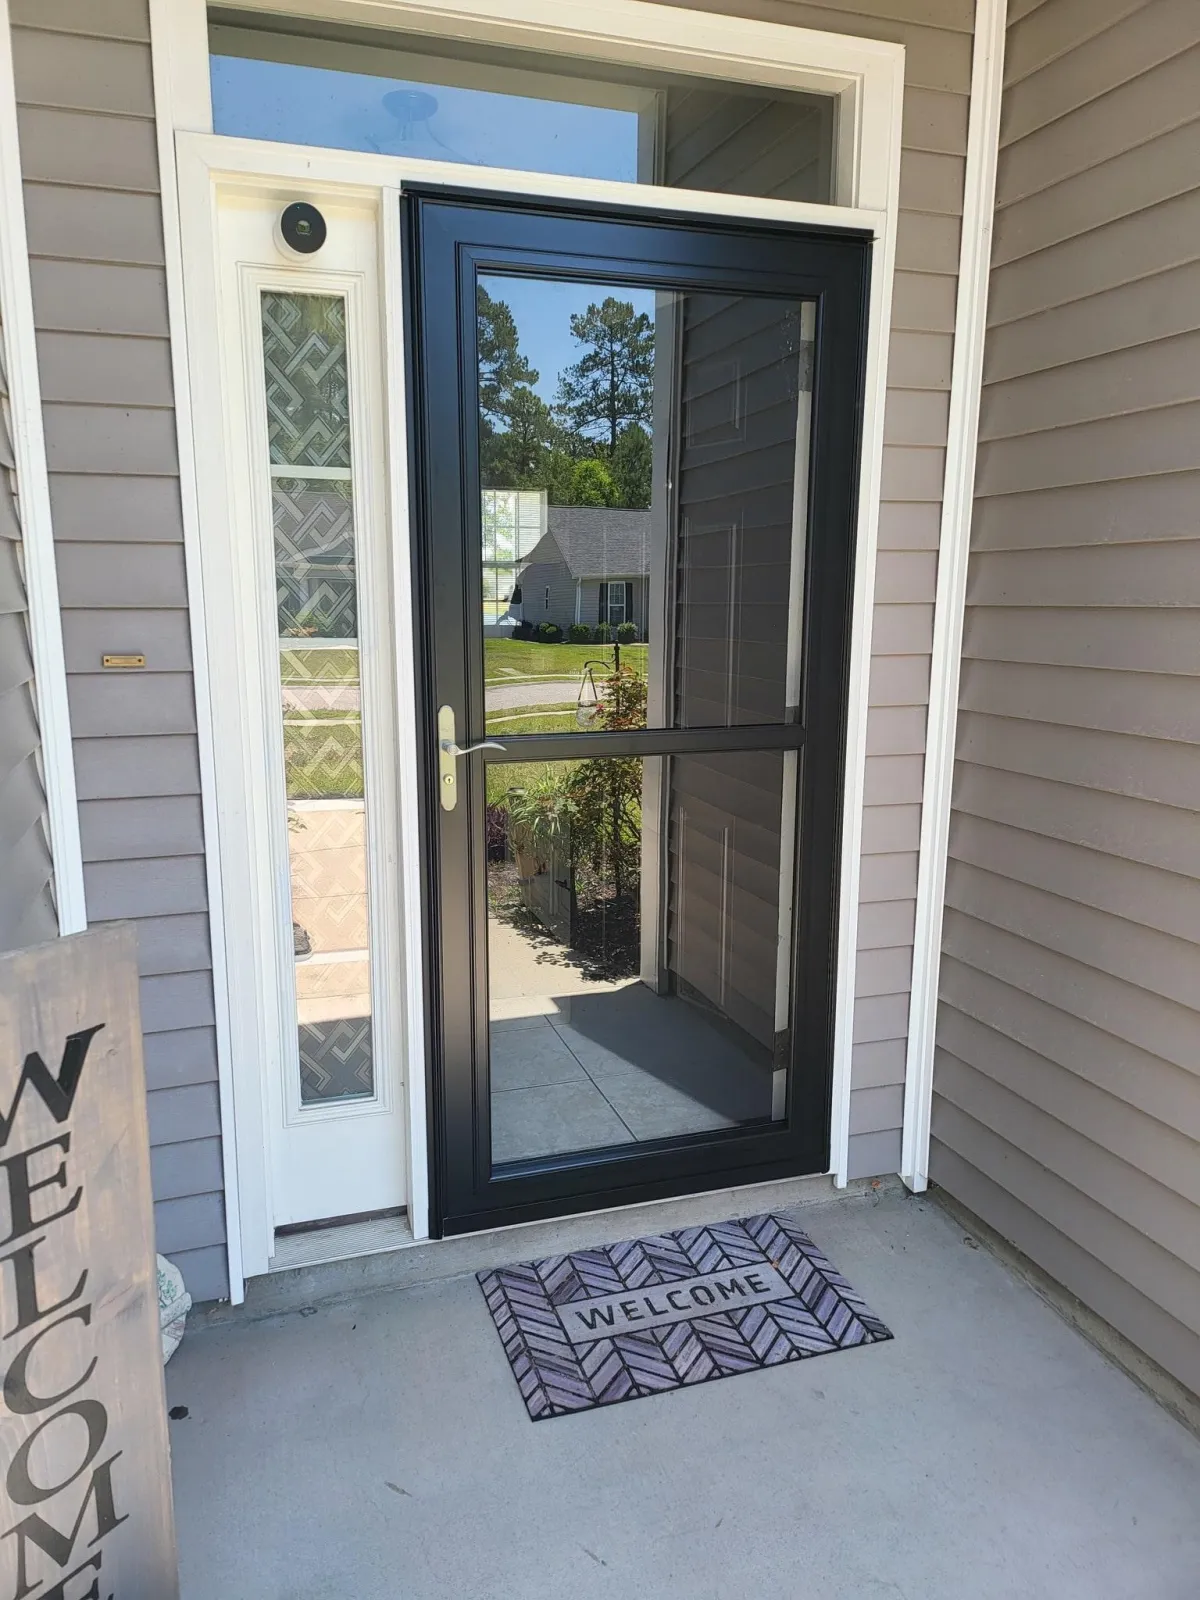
(313, 628)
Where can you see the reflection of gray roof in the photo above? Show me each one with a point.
(598, 541)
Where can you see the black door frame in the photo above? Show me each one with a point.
(449, 235)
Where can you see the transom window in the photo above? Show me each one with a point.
(450, 101)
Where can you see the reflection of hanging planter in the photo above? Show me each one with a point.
(587, 702)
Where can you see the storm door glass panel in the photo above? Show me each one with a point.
(615, 1022)
(644, 467)
(316, 587)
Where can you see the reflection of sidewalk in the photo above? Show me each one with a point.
(523, 972)
(516, 696)
(322, 697)
(328, 851)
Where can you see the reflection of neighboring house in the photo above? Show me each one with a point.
(591, 565)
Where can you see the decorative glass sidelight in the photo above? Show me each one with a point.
(316, 586)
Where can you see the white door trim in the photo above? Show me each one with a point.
(33, 507)
(868, 77)
(966, 381)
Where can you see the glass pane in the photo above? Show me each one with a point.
(316, 585)
(308, 396)
(644, 474)
(638, 975)
(449, 101)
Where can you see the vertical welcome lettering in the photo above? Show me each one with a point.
(81, 1410)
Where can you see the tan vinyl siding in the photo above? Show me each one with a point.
(86, 111)
(1067, 1082)
(27, 912)
(937, 35)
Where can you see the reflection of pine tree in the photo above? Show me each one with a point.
(593, 448)
(611, 383)
(502, 367)
(516, 428)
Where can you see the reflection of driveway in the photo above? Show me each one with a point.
(327, 846)
(497, 696)
(516, 696)
(322, 697)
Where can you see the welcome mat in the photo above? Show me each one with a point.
(599, 1326)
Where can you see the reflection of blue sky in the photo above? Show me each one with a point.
(543, 313)
(351, 111)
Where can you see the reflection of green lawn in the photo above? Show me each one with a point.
(503, 776)
(318, 666)
(323, 759)
(558, 718)
(511, 660)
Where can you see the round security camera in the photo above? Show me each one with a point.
(301, 230)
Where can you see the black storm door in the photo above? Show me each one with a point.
(637, 446)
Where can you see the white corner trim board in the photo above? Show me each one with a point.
(866, 75)
(37, 532)
(966, 379)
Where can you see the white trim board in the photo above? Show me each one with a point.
(966, 381)
(37, 531)
(867, 76)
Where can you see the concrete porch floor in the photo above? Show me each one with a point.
(378, 1449)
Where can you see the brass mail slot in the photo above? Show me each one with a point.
(122, 661)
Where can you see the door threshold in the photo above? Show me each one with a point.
(340, 1241)
(304, 1285)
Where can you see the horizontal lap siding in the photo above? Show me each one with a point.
(1067, 1082)
(89, 157)
(937, 35)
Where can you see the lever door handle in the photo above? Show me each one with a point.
(452, 749)
(449, 751)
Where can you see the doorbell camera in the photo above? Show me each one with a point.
(301, 229)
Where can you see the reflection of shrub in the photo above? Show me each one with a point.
(539, 823)
(540, 810)
(626, 633)
(495, 832)
(606, 792)
(603, 633)
(579, 633)
(550, 633)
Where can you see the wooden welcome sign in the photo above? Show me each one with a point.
(85, 1481)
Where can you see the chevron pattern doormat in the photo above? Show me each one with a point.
(634, 1319)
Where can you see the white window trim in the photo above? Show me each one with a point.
(867, 76)
(37, 531)
(954, 541)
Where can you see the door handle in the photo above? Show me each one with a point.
(449, 751)
(456, 750)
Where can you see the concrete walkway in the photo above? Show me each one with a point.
(378, 1450)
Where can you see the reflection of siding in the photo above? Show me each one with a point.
(1067, 1094)
(95, 233)
(937, 79)
(775, 149)
(589, 606)
(535, 580)
(723, 883)
(26, 901)
(740, 373)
